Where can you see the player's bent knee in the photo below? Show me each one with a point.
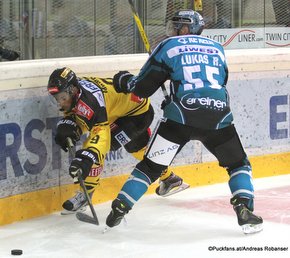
(231, 154)
(151, 169)
(244, 162)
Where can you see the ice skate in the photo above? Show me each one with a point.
(77, 203)
(249, 222)
(171, 185)
(119, 210)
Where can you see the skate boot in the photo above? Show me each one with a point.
(74, 204)
(249, 222)
(119, 210)
(171, 185)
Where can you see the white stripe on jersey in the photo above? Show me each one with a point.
(202, 49)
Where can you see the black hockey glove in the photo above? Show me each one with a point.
(120, 81)
(67, 128)
(83, 161)
(10, 55)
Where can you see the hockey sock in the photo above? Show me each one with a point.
(241, 185)
(134, 188)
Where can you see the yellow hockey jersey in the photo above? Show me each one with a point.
(99, 105)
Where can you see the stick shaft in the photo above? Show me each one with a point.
(82, 183)
(140, 27)
(145, 41)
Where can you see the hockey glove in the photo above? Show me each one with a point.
(10, 55)
(120, 81)
(83, 162)
(67, 128)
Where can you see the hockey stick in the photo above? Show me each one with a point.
(198, 5)
(79, 215)
(145, 41)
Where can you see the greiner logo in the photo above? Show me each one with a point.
(192, 103)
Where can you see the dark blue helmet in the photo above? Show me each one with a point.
(189, 17)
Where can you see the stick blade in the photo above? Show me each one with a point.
(86, 218)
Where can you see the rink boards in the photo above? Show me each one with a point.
(33, 170)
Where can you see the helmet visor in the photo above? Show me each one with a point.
(63, 100)
(174, 25)
(62, 97)
(183, 20)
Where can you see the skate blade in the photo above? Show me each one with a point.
(175, 190)
(67, 212)
(107, 228)
(251, 229)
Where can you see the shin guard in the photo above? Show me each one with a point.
(241, 185)
(134, 188)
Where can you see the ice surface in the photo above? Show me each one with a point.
(198, 222)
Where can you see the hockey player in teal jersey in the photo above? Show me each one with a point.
(199, 109)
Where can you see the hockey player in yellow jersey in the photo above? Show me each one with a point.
(92, 106)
